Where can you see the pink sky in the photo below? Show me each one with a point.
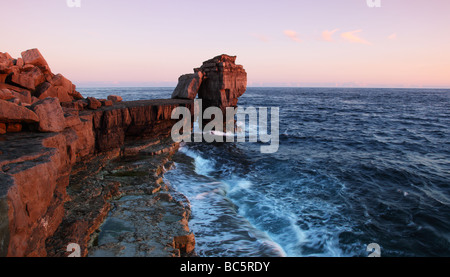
(404, 43)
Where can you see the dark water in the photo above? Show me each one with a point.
(354, 166)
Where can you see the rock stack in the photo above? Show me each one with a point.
(31, 96)
(219, 82)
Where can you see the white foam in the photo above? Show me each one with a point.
(202, 166)
(203, 195)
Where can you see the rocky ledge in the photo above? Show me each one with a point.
(36, 167)
(89, 171)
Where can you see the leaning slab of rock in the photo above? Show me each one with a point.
(51, 115)
(10, 112)
(188, 86)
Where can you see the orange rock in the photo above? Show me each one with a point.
(76, 95)
(5, 62)
(20, 63)
(6, 94)
(78, 105)
(62, 94)
(10, 112)
(2, 128)
(16, 101)
(24, 96)
(188, 86)
(220, 83)
(50, 113)
(67, 88)
(93, 103)
(106, 103)
(60, 80)
(34, 57)
(11, 87)
(14, 127)
(3, 77)
(115, 98)
(46, 89)
(27, 67)
(29, 79)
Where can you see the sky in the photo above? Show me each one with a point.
(325, 43)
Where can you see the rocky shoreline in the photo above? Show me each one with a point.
(89, 171)
(121, 206)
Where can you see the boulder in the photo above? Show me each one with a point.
(47, 89)
(27, 67)
(66, 88)
(20, 63)
(10, 112)
(106, 103)
(34, 57)
(62, 94)
(78, 105)
(188, 86)
(6, 94)
(5, 62)
(76, 95)
(28, 79)
(51, 115)
(24, 96)
(44, 90)
(93, 103)
(115, 98)
(16, 101)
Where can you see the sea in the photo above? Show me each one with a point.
(355, 167)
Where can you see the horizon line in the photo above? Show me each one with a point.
(356, 87)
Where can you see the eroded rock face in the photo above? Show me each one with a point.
(35, 168)
(34, 171)
(224, 81)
